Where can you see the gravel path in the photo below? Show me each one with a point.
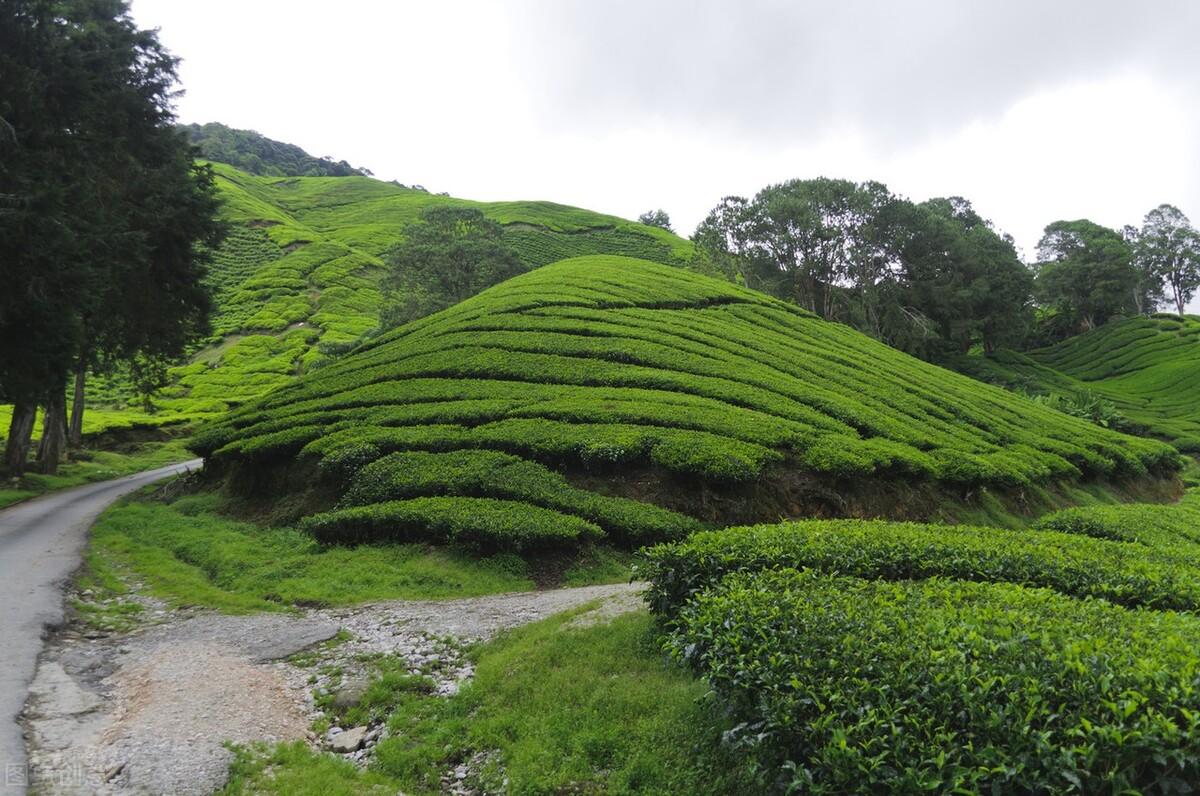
(150, 711)
(40, 545)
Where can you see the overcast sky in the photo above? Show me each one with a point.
(1034, 110)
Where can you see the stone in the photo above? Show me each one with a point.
(350, 693)
(348, 741)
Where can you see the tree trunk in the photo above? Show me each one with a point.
(54, 433)
(1179, 302)
(20, 431)
(75, 431)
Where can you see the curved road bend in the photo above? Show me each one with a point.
(41, 544)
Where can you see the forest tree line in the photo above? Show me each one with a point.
(935, 278)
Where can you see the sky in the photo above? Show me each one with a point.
(1035, 110)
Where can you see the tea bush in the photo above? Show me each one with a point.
(490, 474)
(849, 685)
(483, 523)
(1129, 574)
(1134, 374)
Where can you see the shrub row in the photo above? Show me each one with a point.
(479, 523)
(1173, 528)
(1124, 573)
(591, 445)
(476, 473)
(846, 685)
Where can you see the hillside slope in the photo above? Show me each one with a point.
(1148, 367)
(612, 376)
(301, 266)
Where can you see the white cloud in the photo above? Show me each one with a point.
(1033, 111)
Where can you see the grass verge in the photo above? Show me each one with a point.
(187, 553)
(555, 709)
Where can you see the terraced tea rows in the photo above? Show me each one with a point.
(611, 366)
(866, 655)
(1148, 367)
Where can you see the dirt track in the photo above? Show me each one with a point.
(150, 711)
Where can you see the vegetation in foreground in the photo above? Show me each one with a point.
(868, 655)
(557, 709)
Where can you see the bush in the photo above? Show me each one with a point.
(474, 473)
(1168, 529)
(1129, 574)
(847, 685)
(1187, 444)
(480, 523)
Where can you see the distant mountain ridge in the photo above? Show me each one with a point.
(254, 153)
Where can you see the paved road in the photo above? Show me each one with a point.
(41, 542)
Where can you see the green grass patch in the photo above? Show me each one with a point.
(188, 553)
(559, 710)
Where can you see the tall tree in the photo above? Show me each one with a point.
(1086, 274)
(814, 233)
(965, 276)
(450, 255)
(723, 242)
(1168, 252)
(656, 218)
(102, 205)
(1148, 292)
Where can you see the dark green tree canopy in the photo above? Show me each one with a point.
(102, 205)
(1085, 275)
(450, 255)
(255, 153)
(929, 279)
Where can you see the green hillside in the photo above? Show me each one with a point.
(1149, 368)
(301, 266)
(598, 379)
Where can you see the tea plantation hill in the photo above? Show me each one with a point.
(609, 397)
(1148, 367)
(301, 267)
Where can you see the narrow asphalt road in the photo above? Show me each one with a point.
(41, 542)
